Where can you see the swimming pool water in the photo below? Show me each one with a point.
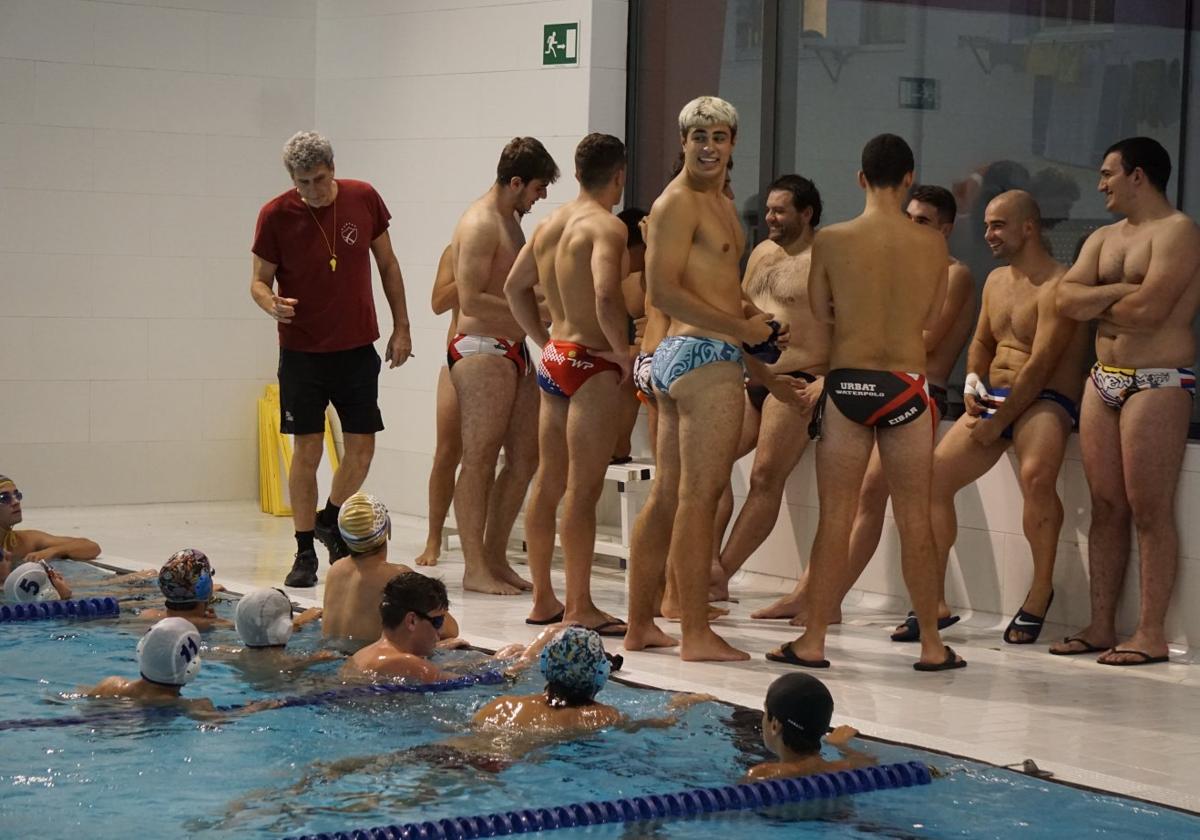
(171, 776)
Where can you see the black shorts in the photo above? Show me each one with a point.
(349, 379)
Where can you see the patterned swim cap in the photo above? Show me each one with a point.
(186, 579)
(574, 659)
(364, 523)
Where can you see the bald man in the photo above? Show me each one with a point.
(1024, 379)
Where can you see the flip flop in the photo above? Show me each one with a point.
(606, 629)
(950, 663)
(788, 657)
(912, 631)
(1088, 647)
(554, 619)
(1146, 659)
(1027, 622)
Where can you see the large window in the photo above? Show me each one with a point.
(992, 95)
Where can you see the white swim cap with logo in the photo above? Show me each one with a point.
(169, 653)
(29, 584)
(264, 618)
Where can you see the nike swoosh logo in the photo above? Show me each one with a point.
(1021, 623)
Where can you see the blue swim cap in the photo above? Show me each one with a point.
(574, 659)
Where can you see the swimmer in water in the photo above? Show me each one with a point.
(32, 583)
(186, 582)
(796, 716)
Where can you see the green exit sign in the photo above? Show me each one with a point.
(560, 43)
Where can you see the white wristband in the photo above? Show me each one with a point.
(973, 385)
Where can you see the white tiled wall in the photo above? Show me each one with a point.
(137, 141)
(419, 99)
(990, 565)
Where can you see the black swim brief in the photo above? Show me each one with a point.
(877, 397)
(940, 398)
(758, 393)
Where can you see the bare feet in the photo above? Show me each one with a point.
(429, 557)
(709, 647)
(649, 636)
(789, 606)
(597, 620)
(714, 612)
(1139, 649)
(506, 573)
(718, 585)
(484, 581)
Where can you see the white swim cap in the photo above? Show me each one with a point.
(264, 618)
(169, 653)
(29, 584)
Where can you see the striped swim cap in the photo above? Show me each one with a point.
(364, 523)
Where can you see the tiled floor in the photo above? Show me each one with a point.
(1132, 731)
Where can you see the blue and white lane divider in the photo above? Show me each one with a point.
(688, 803)
(354, 692)
(78, 608)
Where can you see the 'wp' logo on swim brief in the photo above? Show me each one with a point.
(349, 233)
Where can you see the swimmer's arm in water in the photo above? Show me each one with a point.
(674, 220)
(59, 583)
(852, 759)
(45, 546)
(1174, 261)
(1051, 336)
(477, 246)
(445, 293)
(959, 285)
(520, 294)
(608, 264)
(1080, 295)
(300, 663)
(399, 346)
(982, 349)
(820, 294)
(307, 617)
(677, 704)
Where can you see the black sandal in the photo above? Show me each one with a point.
(1027, 622)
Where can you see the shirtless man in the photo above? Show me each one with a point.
(880, 280)
(777, 281)
(578, 255)
(353, 590)
(490, 369)
(694, 244)
(934, 207)
(29, 546)
(1141, 278)
(447, 451)
(1024, 379)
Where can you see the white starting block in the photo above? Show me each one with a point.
(633, 480)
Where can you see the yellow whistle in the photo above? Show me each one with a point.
(333, 263)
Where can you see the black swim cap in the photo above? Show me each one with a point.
(803, 705)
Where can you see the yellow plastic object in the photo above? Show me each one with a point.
(275, 455)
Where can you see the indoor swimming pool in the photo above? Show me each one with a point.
(353, 763)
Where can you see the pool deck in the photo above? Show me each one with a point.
(1131, 731)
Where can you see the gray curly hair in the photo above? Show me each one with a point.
(305, 150)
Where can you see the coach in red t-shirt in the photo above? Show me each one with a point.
(314, 242)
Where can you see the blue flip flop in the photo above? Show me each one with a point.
(912, 630)
(1027, 622)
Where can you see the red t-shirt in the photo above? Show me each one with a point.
(336, 309)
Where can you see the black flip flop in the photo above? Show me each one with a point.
(912, 630)
(603, 629)
(554, 619)
(1027, 622)
(788, 657)
(1146, 659)
(1088, 647)
(950, 663)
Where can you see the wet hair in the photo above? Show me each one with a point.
(705, 111)
(6, 480)
(1146, 154)
(598, 157)
(939, 198)
(886, 159)
(411, 592)
(306, 150)
(526, 158)
(804, 194)
(559, 696)
(804, 707)
(631, 216)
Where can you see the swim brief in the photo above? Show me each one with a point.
(678, 355)
(877, 397)
(940, 398)
(641, 375)
(995, 397)
(1115, 385)
(565, 366)
(758, 393)
(462, 346)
